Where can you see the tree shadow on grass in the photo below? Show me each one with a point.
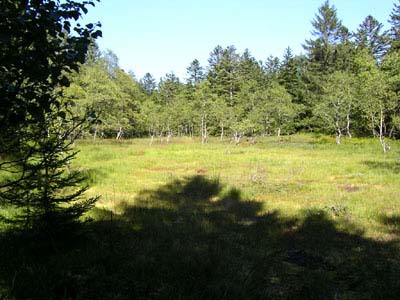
(390, 166)
(392, 224)
(196, 239)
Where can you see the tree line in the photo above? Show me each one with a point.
(346, 83)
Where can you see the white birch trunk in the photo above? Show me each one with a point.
(348, 123)
(119, 133)
(338, 130)
(95, 132)
(381, 132)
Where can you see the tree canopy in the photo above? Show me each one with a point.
(324, 90)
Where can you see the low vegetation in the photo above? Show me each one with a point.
(302, 218)
(352, 182)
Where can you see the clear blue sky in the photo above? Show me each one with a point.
(160, 36)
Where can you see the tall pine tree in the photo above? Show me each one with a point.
(370, 36)
(328, 31)
(395, 29)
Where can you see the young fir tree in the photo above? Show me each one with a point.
(290, 76)
(39, 47)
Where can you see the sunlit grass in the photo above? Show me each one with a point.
(354, 182)
(303, 218)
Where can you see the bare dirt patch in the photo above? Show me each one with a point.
(351, 188)
(201, 171)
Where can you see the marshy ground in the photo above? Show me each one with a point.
(298, 219)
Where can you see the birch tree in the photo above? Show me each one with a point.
(337, 103)
(375, 97)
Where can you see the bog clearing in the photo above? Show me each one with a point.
(354, 184)
(303, 218)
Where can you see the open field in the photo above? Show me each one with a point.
(300, 219)
(353, 182)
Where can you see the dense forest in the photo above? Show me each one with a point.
(346, 83)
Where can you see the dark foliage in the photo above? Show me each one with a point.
(195, 239)
(39, 47)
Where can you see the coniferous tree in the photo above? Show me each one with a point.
(169, 87)
(222, 75)
(289, 75)
(148, 83)
(215, 58)
(345, 52)
(251, 77)
(327, 33)
(272, 67)
(395, 29)
(370, 36)
(37, 129)
(249, 69)
(195, 73)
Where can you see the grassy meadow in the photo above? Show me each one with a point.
(354, 183)
(303, 218)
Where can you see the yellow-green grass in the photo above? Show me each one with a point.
(303, 218)
(355, 183)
